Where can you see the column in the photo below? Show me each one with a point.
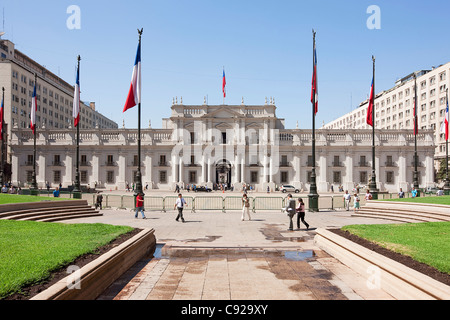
(180, 176)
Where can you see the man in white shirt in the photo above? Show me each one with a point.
(347, 198)
(179, 204)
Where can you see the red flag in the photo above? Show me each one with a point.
(224, 84)
(371, 106)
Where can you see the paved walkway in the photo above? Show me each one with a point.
(215, 255)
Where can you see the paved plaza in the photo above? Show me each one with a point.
(217, 256)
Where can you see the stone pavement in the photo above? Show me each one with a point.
(216, 256)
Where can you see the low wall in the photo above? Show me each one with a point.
(97, 276)
(399, 281)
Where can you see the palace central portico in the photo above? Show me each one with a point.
(228, 144)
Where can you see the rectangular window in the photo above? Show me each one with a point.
(29, 176)
(57, 176)
(193, 177)
(363, 177)
(389, 177)
(254, 176)
(110, 176)
(110, 160)
(284, 177)
(163, 177)
(336, 177)
(84, 177)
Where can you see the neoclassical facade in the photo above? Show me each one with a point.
(230, 144)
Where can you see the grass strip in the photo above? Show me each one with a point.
(31, 251)
(424, 242)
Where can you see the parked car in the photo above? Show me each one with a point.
(203, 189)
(288, 188)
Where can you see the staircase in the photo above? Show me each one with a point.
(48, 211)
(405, 212)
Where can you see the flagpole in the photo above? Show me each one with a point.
(313, 195)
(373, 183)
(34, 187)
(416, 130)
(138, 179)
(77, 187)
(447, 178)
(3, 143)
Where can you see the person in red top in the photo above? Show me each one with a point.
(140, 205)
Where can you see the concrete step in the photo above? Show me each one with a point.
(71, 217)
(419, 216)
(30, 212)
(391, 217)
(59, 215)
(435, 209)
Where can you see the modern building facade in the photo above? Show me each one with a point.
(223, 144)
(394, 108)
(54, 95)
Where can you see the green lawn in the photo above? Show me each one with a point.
(433, 200)
(424, 242)
(13, 198)
(31, 251)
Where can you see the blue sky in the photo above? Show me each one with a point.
(265, 47)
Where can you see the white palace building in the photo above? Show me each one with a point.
(231, 144)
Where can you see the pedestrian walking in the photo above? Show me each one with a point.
(301, 214)
(356, 204)
(401, 194)
(245, 207)
(347, 199)
(179, 204)
(368, 195)
(290, 210)
(140, 205)
(99, 200)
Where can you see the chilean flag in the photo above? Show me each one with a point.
(33, 110)
(134, 96)
(224, 85)
(314, 91)
(76, 101)
(2, 112)
(370, 110)
(445, 124)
